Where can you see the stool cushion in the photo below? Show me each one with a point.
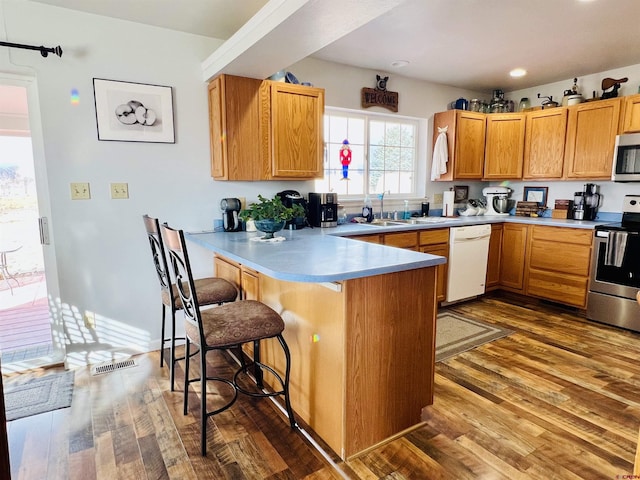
(235, 323)
(209, 291)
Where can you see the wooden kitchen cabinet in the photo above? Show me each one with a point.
(436, 242)
(512, 261)
(369, 238)
(494, 258)
(591, 132)
(234, 128)
(545, 136)
(630, 114)
(465, 142)
(263, 130)
(504, 146)
(292, 139)
(228, 269)
(558, 264)
(408, 240)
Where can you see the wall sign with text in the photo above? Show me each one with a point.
(379, 96)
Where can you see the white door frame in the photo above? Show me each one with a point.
(44, 208)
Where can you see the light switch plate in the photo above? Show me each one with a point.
(437, 198)
(119, 190)
(80, 191)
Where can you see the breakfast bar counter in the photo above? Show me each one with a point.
(359, 321)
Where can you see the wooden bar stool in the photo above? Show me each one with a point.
(211, 291)
(223, 327)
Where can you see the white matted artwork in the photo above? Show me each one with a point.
(133, 112)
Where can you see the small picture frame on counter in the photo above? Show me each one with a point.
(536, 194)
(460, 193)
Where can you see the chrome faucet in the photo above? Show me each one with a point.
(381, 197)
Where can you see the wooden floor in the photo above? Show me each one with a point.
(558, 399)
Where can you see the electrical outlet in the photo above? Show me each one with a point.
(89, 319)
(80, 191)
(243, 202)
(437, 198)
(119, 190)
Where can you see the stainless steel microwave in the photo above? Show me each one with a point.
(626, 158)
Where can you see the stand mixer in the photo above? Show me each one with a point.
(497, 200)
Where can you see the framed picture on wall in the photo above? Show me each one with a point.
(460, 193)
(536, 194)
(133, 112)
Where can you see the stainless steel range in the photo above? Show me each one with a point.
(615, 270)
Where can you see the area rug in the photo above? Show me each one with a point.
(26, 397)
(456, 334)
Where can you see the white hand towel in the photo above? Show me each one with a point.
(440, 155)
(615, 249)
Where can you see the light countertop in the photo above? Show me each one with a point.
(322, 255)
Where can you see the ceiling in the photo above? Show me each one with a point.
(471, 44)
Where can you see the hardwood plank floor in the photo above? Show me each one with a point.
(559, 398)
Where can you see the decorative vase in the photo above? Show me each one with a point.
(269, 226)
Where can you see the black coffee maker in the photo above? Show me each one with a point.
(591, 201)
(289, 199)
(230, 214)
(323, 209)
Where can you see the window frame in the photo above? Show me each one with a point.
(420, 148)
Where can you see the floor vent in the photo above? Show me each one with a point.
(109, 367)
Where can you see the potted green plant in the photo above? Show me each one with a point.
(270, 215)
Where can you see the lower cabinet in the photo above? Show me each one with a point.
(558, 264)
(546, 262)
(436, 242)
(512, 266)
(495, 257)
(408, 240)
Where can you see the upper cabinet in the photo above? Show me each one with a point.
(591, 133)
(631, 114)
(234, 124)
(292, 135)
(263, 130)
(465, 141)
(574, 142)
(544, 143)
(504, 148)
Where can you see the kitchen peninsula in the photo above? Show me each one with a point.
(360, 323)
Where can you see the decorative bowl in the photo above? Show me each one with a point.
(269, 226)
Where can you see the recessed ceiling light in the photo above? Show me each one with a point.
(518, 72)
(399, 63)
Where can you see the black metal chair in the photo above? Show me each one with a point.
(211, 291)
(225, 327)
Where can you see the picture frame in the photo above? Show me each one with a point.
(536, 194)
(460, 193)
(133, 112)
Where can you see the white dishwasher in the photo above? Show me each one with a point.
(468, 254)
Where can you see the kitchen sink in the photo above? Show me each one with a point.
(411, 221)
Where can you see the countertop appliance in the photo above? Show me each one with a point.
(586, 203)
(290, 198)
(230, 209)
(468, 257)
(497, 200)
(323, 209)
(626, 158)
(615, 270)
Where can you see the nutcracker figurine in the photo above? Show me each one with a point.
(345, 159)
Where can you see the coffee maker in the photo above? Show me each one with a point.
(323, 209)
(230, 209)
(497, 200)
(289, 199)
(591, 201)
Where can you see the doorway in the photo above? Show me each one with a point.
(27, 323)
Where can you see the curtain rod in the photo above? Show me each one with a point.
(44, 51)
